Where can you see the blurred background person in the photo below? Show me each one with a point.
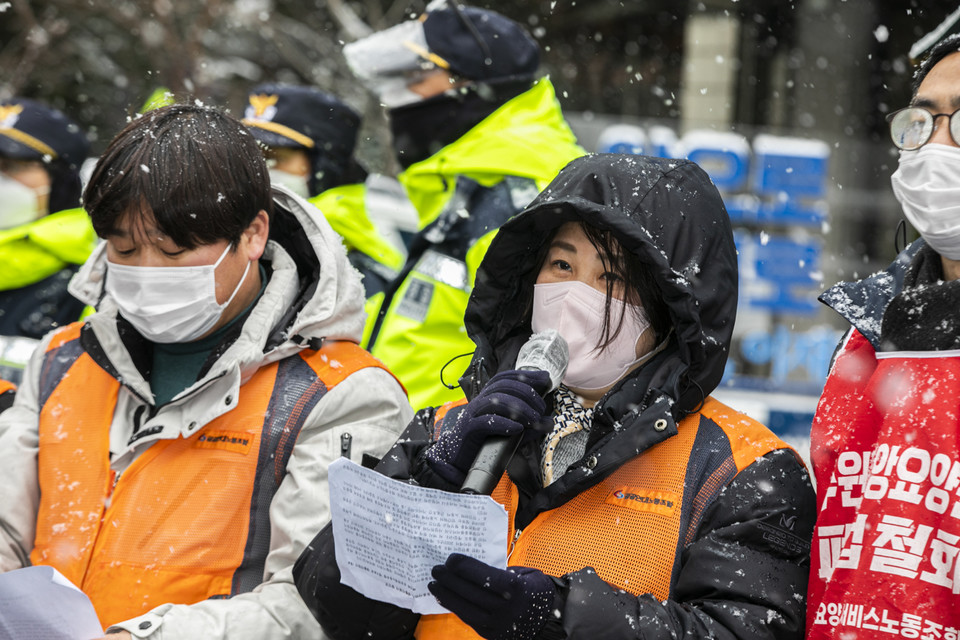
(478, 135)
(44, 235)
(310, 136)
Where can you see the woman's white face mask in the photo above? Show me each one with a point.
(19, 204)
(169, 304)
(576, 310)
(927, 184)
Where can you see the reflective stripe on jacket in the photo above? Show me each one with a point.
(140, 542)
(632, 527)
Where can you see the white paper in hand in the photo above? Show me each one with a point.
(390, 534)
(39, 603)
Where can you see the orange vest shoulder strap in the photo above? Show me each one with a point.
(442, 412)
(749, 439)
(64, 335)
(337, 359)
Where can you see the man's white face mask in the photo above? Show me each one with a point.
(169, 304)
(927, 184)
(19, 204)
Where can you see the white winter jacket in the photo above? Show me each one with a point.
(370, 405)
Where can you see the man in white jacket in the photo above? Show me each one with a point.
(169, 454)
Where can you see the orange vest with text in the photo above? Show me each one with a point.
(628, 526)
(189, 518)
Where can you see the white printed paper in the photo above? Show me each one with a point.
(390, 534)
(39, 603)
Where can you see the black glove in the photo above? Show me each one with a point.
(511, 604)
(510, 403)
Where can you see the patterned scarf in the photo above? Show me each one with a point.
(567, 441)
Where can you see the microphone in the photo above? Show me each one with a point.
(544, 351)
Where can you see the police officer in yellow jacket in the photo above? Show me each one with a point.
(44, 236)
(310, 137)
(478, 135)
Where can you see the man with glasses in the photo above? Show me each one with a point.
(885, 442)
(478, 135)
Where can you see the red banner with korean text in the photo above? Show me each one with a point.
(885, 447)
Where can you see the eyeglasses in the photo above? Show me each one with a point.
(911, 128)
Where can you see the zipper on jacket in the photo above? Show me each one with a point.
(513, 543)
(114, 478)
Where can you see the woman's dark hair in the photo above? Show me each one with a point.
(197, 171)
(639, 285)
(950, 44)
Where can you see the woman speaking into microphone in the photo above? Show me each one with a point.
(639, 506)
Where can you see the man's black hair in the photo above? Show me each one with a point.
(195, 170)
(950, 44)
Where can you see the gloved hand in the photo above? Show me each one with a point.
(511, 402)
(511, 604)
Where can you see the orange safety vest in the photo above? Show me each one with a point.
(6, 385)
(628, 526)
(189, 519)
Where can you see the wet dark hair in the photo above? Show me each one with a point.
(950, 44)
(196, 170)
(639, 285)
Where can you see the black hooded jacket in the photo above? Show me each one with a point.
(744, 572)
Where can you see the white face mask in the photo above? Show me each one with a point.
(575, 310)
(169, 304)
(927, 184)
(297, 184)
(388, 61)
(19, 204)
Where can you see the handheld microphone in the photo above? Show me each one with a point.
(544, 351)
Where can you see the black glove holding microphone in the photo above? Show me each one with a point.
(510, 404)
(473, 453)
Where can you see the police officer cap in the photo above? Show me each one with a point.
(30, 130)
(480, 44)
(302, 118)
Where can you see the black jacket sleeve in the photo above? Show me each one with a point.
(6, 399)
(344, 613)
(744, 576)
